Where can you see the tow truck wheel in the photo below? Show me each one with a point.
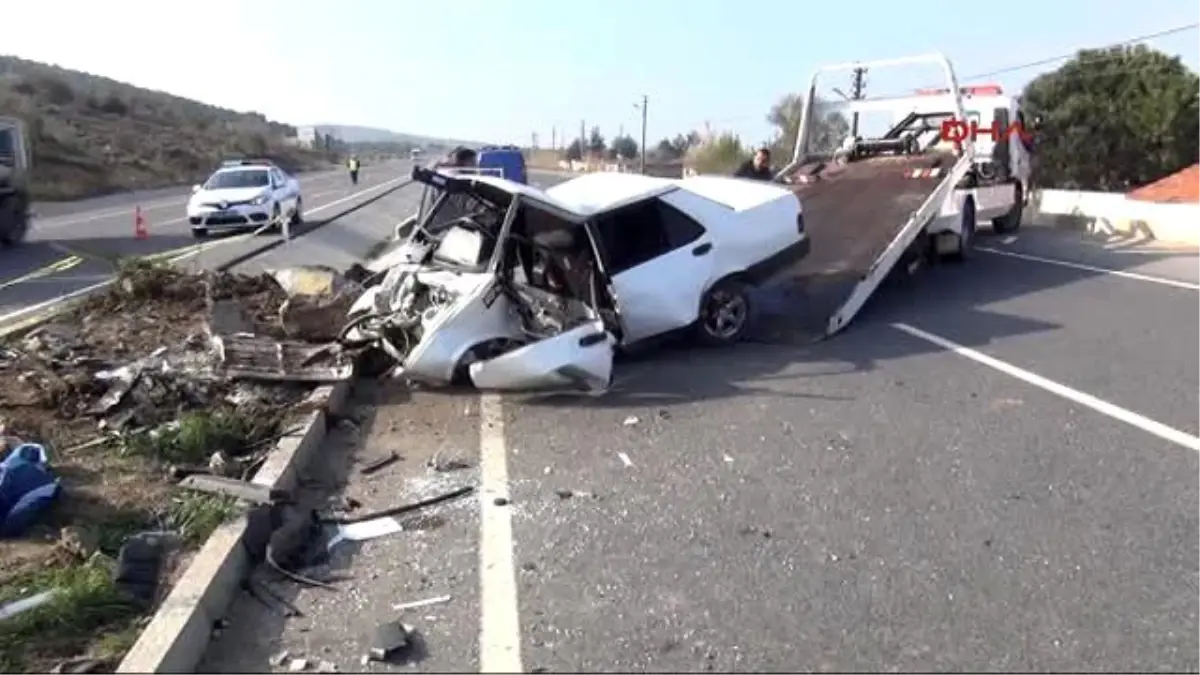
(1011, 221)
(725, 312)
(966, 236)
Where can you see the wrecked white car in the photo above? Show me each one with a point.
(509, 287)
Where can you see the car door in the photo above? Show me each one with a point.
(283, 195)
(659, 261)
(579, 358)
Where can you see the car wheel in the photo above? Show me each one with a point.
(199, 233)
(277, 217)
(298, 212)
(480, 352)
(725, 312)
(1011, 221)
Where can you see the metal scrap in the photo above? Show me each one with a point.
(263, 358)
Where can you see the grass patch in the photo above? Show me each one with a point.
(86, 603)
(195, 515)
(197, 435)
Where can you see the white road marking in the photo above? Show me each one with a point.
(499, 620)
(33, 309)
(1089, 268)
(1103, 407)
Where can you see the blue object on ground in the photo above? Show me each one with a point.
(27, 488)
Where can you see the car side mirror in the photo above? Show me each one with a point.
(196, 188)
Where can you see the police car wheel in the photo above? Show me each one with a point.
(298, 212)
(199, 233)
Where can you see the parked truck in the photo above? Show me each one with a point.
(873, 203)
(14, 182)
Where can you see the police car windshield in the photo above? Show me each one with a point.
(241, 178)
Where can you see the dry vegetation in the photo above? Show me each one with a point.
(93, 136)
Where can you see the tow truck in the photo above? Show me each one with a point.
(872, 203)
(14, 182)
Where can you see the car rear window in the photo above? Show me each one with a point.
(238, 179)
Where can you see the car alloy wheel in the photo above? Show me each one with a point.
(725, 314)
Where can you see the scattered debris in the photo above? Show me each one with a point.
(255, 494)
(441, 599)
(389, 640)
(727, 458)
(297, 665)
(364, 530)
(140, 565)
(327, 667)
(564, 493)
(279, 658)
(80, 665)
(380, 463)
(625, 460)
(631, 421)
(17, 607)
(500, 501)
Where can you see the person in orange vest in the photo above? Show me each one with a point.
(352, 165)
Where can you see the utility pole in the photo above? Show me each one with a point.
(582, 142)
(642, 107)
(858, 85)
(554, 138)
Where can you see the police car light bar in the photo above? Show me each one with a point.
(247, 162)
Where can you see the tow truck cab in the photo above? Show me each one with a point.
(506, 160)
(1001, 174)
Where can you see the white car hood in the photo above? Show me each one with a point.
(228, 195)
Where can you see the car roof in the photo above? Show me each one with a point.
(602, 191)
(237, 169)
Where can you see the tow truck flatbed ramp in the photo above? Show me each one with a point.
(861, 217)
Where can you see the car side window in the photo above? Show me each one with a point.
(639, 233)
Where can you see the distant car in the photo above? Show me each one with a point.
(245, 194)
(519, 288)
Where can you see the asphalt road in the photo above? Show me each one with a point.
(77, 250)
(994, 469)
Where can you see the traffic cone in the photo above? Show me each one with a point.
(139, 224)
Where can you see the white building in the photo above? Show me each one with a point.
(307, 136)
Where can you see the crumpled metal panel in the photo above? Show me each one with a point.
(253, 357)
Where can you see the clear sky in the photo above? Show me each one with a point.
(500, 70)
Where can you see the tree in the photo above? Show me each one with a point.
(624, 147)
(720, 154)
(596, 142)
(825, 135)
(1114, 119)
(573, 152)
(667, 150)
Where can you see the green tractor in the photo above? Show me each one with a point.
(14, 182)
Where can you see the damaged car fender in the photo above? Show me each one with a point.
(480, 315)
(580, 358)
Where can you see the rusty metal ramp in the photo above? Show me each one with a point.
(860, 218)
(254, 357)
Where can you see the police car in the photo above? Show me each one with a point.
(245, 194)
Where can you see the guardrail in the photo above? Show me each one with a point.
(1113, 213)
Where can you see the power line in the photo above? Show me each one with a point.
(1063, 57)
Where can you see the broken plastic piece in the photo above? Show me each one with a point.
(369, 529)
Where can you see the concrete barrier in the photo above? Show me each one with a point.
(1112, 213)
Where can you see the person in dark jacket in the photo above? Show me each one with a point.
(758, 168)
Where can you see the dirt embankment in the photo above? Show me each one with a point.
(92, 136)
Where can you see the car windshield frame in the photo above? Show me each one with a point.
(432, 230)
(240, 183)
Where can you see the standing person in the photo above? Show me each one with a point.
(352, 165)
(758, 168)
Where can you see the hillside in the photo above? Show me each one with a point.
(373, 136)
(92, 135)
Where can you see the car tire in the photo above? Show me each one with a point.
(725, 313)
(298, 212)
(14, 222)
(199, 233)
(1011, 221)
(276, 218)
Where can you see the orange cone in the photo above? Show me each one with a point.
(139, 224)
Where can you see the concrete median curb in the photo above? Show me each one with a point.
(175, 639)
